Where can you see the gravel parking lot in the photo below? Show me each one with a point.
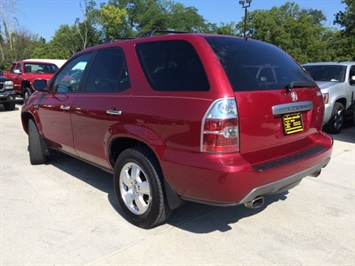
(65, 213)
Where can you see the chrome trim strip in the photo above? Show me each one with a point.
(113, 112)
(292, 107)
(65, 107)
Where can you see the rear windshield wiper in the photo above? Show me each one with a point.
(300, 84)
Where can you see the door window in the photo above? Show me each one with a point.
(108, 72)
(68, 80)
(15, 66)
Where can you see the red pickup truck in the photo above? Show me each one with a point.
(22, 73)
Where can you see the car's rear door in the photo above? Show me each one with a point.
(99, 109)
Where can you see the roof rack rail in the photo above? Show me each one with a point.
(147, 34)
(154, 32)
(117, 38)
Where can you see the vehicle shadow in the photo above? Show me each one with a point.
(2, 109)
(202, 219)
(347, 134)
(87, 173)
(192, 217)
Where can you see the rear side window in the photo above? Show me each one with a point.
(331, 73)
(108, 72)
(172, 66)
(254, 65)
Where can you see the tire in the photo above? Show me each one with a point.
(35, 144)
(9, 106)
(336, 121)
(138, 188)
(26, 94)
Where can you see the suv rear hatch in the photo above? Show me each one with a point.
(279, 106)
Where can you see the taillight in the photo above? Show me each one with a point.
(220, 131)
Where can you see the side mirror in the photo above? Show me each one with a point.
(40, 85)
(17, 71)
(352, 80)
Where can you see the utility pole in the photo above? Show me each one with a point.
(245, 4)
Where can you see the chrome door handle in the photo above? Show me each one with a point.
(113, 112)
(65, 107)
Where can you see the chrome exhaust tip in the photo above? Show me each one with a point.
(316, 174)
(255, 203)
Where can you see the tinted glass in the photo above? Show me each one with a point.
(40, 68)
(327, 72)
(13, 65)
(172, 66)
(108, 72)
(255, 65)
(68, 79)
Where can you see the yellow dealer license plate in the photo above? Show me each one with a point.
(292, 123)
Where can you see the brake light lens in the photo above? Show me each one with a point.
(220, 129)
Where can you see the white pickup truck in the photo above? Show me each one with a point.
(337, 82)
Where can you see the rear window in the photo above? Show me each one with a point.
(327, 72)
(172, 66)
(40, 68)
(255, 65)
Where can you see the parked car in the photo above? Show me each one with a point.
(183, 117)
(7, 94)
(337, 82)
(23, 72)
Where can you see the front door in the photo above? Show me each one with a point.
(55, 108)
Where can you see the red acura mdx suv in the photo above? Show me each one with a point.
(207, 118)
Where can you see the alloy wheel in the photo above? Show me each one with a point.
(135, 188)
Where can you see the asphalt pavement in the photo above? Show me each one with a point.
(65, 213)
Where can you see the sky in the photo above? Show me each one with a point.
(44, 17)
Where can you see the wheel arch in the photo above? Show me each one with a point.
(25, 117)
(342, 101)
(26, 84)
(118, 145)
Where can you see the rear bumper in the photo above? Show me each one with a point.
(283, 184)
(232, 180)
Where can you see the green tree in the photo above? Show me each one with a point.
(346, 19)
(86, 30)
(222, 28)
(184, 18)
(297, 31)
(21, 46)
(63, 45)
(146, 15)
(113, 20)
